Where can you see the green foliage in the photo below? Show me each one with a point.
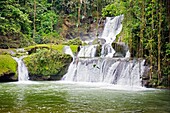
(115, 9)
(47, 62)
(141, 30)
(168, 49)
(15, 25)
(49, 46)
(57, 19)
(12, 19)
(46, 19)
(7, 65)
(75, 41)
(17, 20)
(59, 48)
(74, 48)
(53, 37)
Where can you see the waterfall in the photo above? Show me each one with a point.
(107, 51)
(106, 70)
(67, 50)
(127, 54)
(87, 51)
(69, 76)
(112, 28)
(22, 69)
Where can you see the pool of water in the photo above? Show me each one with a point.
(62, 97)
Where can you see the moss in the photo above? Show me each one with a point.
(7, 65)
(50, 46)
(47, 63)
(27, 59)
(59, 48)
(74, 48)
(7, 51)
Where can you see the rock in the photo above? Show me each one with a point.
(8, 77)
(8, 69)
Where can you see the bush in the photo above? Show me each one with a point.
(46, 62)
(75, 41)
(32, 49)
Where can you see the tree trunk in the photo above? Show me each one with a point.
(159, 40)
(142, 29)
(51, 25)
(168, 13)
(85, 13)
(34, 19)
(79, 12)
(150, 43)
(97, 19)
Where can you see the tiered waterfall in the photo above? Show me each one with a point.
(106, 68)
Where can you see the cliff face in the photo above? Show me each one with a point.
(89, 28)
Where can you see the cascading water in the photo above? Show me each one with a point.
(112, 28)
(106, 70)
(67, 50)
(119, 71)
(22, 69)
(72, 67)
(127, 54)
(87, 51)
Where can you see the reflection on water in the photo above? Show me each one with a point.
(57, 97)
(20, 99)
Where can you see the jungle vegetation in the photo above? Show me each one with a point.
(146, 26)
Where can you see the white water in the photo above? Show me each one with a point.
(67, 50)
(118, 71)
(69, 76)
(106, 70)
(87, 51)
(22, 69)
(127, 54)
(107, 50)
(112, 28)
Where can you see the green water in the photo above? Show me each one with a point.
(58, 97)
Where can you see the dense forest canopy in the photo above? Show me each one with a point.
(146, 25)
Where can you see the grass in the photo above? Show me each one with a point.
(7, 65)
(55, 47)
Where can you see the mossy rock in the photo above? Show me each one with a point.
(47, 64)
(120, 48)
(8, 68)
(59, 48)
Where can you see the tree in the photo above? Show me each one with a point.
(34, 32)
(159, 40)
(15, 24)
(145, 29)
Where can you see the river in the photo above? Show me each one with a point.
(64, 97)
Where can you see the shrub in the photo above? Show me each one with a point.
(47, 62)
(75, 41)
